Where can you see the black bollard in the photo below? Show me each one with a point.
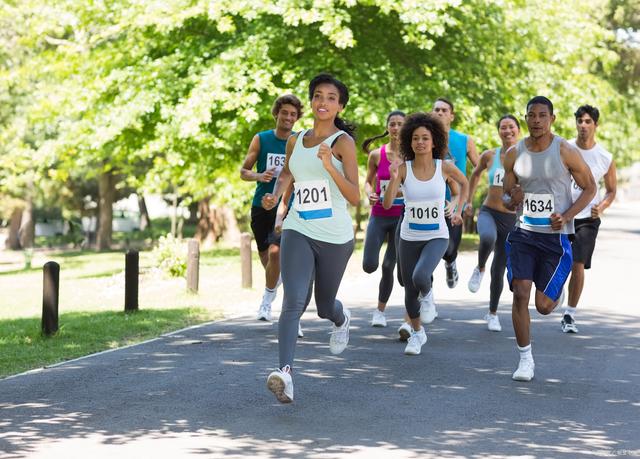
(131, 270)
(50, 295)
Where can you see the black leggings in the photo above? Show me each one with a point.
(379, 229)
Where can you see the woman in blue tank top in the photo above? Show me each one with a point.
(317, 234)
(495, 221)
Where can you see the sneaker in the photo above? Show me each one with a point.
(340, 335)
(281, 384)
(378, 319)
(300, 334)
(264, 313)
(404, 331)
(452, 274)
(524, 371)
(476, 279)
(415, 342)
(493, 322)
(568, 324)
(428, 311)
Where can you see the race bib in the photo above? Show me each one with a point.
(312, 199)
(498, 177)
(537, 209)
(275, 160)
(384, 184)
(424, 215)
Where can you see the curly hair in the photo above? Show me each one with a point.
(433, 124)
(289, 99)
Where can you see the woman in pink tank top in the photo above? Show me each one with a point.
(383, 222)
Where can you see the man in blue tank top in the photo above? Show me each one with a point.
(537, 184)
(461, 147)
(267, 153)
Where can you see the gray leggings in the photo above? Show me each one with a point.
(493, 228)
(303, 262)
(379, 229)
(417, 260)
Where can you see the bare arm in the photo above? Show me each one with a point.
(246, 171)
(348, 184)
(283, 208)
(370, 182)
(451, 171)
(583, 178)
(475, 177)
(472, 151)
(610, 184)
(512, 190)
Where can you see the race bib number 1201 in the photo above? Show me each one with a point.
(312, 199)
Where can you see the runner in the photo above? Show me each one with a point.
(461, 147)
(423, 234)
(317, 236)
(587, 221)
(495, 221)
(382, 222)
(538, 172)
(267, 153)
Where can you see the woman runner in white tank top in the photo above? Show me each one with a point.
(424, 235)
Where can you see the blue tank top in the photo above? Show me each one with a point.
(272, 154)
(458, 152)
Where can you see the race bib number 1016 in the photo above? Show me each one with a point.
(425, 215)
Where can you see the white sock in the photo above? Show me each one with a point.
(525, 352)
(571, 310)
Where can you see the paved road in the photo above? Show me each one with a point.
(201, 392)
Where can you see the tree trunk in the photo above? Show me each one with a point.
(27, 229)
(215, 224)
(174, 215)
(193, 213)
(107, 192)
(13, 241)
(145, 220)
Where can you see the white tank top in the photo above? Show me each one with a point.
(424, 206)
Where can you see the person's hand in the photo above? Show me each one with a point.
(394, 168)
(517, 196)
(269, 201)
(468, 210)
(325, 153)
(557, 221)
(450, 207)
(278, 224)
(596, 211)
(373, 198)
(267, 175)
(456, 219)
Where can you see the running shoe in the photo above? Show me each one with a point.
(452, 274)
(264, 313)
(568, 324)
(524, 371)
(475, 280)
(428, 311)
(493, 322)
(415, 342)
(404, 331)
(378, 319)
(340, 335)
(281, 384)
(300, 334)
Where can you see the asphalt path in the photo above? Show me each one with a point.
(201, 392)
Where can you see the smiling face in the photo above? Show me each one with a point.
(287, 117)
(444, 111)
(586, 127)
(393, 126)
(539, 120)
(508, 131)
(422, 141)
(325, 103)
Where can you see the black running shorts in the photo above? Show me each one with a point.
(585, 240)
(262, 224)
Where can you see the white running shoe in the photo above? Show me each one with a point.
(340, 335)
(524, 371)
(568, 324)
(264, 313)
(475, 280)
(300, 334)
(428, 311)
(493, 322)
(378, 319)
(404, 331)
(281, 384)
(415, 342)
